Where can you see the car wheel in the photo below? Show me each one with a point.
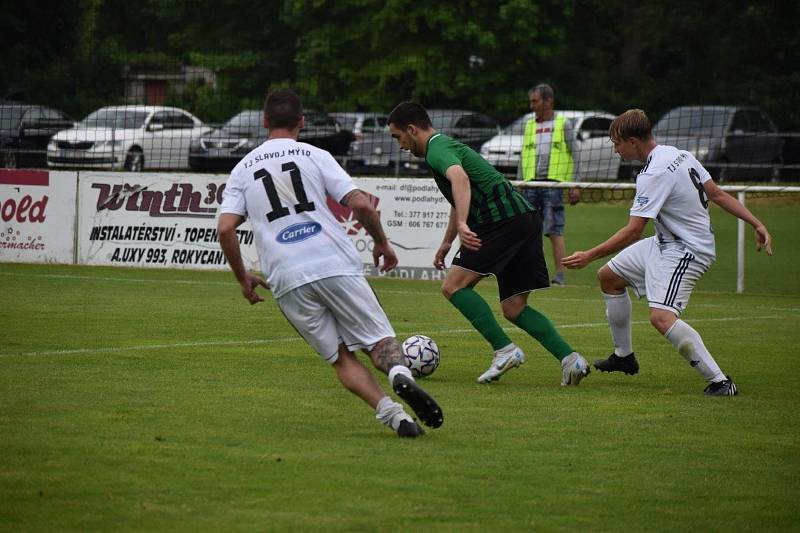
(9, 159)
(134, 161)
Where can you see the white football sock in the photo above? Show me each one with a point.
(391, 413)
(618, 312)
(691, 347)
(399, 369)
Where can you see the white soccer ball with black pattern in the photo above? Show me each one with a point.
(421, 354)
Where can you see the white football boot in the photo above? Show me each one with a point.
(573, 369)
(504, 360)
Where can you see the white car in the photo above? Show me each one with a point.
(132, 137)
(595, 153)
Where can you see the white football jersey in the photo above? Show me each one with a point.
(669, 189)
(282, 186)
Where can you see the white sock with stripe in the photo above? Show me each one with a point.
(391, 413)
(618, 312)
(691, 347)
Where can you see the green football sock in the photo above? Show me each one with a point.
(480, 315)
(540, 328)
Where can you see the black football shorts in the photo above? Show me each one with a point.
(511, 249)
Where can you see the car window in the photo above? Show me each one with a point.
(693, 121)
(115, 118)
(740, 122)
(52, 114)
(467, 121)
(483, 121)
(34, 114)
(369, 124)
(246, 122)
(10, 116)
(759, 122)
(518, 126)
(178, 120)
(592, 127)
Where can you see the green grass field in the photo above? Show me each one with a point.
(140, 400)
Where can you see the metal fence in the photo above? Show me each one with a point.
(158, 127)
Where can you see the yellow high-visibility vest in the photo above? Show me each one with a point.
(561, 162)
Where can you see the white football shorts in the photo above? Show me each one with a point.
(665, 275)
(339, 309)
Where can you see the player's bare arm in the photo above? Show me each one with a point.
(229, 241)
(622, 238)
(462, 195)
(366, 214)
(734, 207)
(449, 236)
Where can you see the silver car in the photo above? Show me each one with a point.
(595, 154)
(133, 138)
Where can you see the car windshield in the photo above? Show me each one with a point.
(115, 118)
(245, 123)
(441, 119)
(693, 122)
(10, 116)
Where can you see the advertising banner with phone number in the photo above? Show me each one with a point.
(169, 220)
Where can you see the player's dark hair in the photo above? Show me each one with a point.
(283, 108)
(544, 90)
(409, 113)
(633, 123)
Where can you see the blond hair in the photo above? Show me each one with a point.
(632, 123)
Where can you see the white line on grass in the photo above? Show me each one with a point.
(145, 347)
(538, 297)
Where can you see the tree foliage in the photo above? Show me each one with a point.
(371, 54)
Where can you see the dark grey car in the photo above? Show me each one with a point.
(739, 143)
(224, 147)
(377, 151)
(25, 130)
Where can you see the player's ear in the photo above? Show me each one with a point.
(302, 123)
(266, 121)
(412, 130)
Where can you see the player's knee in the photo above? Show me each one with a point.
(662, 320)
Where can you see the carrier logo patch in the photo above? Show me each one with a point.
(298, 232)
(641, 201)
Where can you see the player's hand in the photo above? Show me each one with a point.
(574, 196)
(389, 257)
(576, 260)
(441, 253)
(249, 285)
(469, 239)
(763, 240)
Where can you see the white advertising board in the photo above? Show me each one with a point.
(169, 220)
(154, 220)
(414, 215)
(37, 216)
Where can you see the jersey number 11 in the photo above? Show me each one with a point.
(278, 209)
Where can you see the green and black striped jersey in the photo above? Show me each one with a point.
(492, 199)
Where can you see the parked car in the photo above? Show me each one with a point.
(132, 137)
(360, 123)
(25, 130)
(594, 153)
(378, 151)
(739, 143)
(224, 147)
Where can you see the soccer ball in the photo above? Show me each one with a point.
(421, 354)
